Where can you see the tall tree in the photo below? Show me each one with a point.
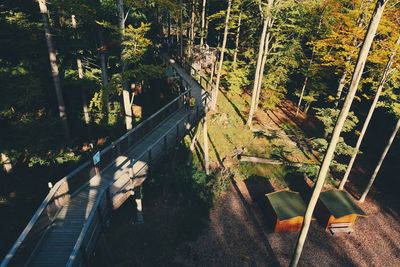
(362, 57)
(303, 88)
(258, 67)
(203, 22)
(54, 68)
(181, 29)
(221, 58)
(237, 37)
(370, 113)
(125, 92)
(80, 75)
(360, 21)
(382, 158)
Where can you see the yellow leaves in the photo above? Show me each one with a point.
(366, 97)
(135, 43)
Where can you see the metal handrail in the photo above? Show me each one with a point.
(78, 244)
(69, 176)
(82, 235)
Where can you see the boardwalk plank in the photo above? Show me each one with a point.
(57, 245)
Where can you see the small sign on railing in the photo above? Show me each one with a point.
(96, 158)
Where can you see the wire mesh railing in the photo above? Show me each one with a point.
(77, 179)
(72, 183)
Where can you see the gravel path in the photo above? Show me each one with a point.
(240, 234)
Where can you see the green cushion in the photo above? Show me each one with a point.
(340, 203)
(287, 204)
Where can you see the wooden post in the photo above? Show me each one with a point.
(131, 176)
(206, 164)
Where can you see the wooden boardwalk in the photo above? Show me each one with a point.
(77, 224)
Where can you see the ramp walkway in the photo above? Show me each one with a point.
(67, 225)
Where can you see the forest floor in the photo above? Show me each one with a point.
(239, 231)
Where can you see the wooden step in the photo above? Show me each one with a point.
(341, 230)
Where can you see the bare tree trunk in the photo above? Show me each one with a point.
(103, 64)
(301, 95)
(257, 72)
(125, 92)
(80, 75)
(309, 66)
(308, 104)
(181, 30)
(192, 18)
(205, 140)
(212, 74)
(54, 69)
(370, 113)
(237, 38)
(264, 59)
(5, 160)
(362, 57)
(342, 81)
(203, 22)
(388, 145)
(207, 21)
(221, 60)
(169, 26)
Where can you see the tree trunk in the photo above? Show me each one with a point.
(362, 57)
(257, 72)
(301, 95)
(54, 69)
(388, 145)
(370, 113)
(309, 66)
(181, 30)
(207, 21)
(203, 22)
(192, 18)
(80, 75)
(5, 160)
(103, 64)
(125, 92)
(212, 74)
(205, 141)
(264, 59)
(169, 26)
(221, 60)
(342, 81)
(237, 38)
(307, 107)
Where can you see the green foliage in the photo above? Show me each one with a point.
(135, 43)
(328, 117)
(236, 77)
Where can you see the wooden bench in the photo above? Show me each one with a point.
(340, 228)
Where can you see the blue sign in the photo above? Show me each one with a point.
(96, 158)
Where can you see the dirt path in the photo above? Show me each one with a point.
(239, 234)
